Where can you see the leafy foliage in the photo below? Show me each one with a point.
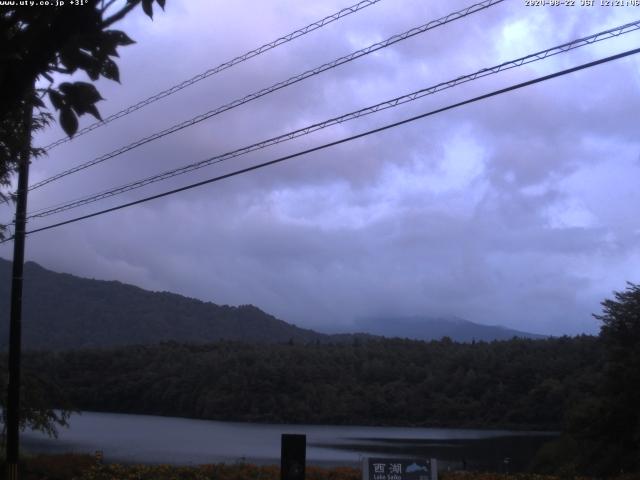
(35, 44)
(13, 136)
(602, 431)
(38, 394)
(620, 334)
(607, 425)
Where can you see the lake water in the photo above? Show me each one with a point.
(152, 439)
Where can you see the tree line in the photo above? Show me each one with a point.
(522, 384)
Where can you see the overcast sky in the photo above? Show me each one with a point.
(520, 210)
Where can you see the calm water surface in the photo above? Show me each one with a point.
(151, 439)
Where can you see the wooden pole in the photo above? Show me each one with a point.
(15, 325)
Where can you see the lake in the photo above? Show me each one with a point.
(181, 441)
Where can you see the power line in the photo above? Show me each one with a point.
(394, 102)
(223, 66)
(343, 140)
(277, 86)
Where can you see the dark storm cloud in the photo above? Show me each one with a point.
(515, 211)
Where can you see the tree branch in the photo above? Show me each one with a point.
(61, 70)
(104, 7)
(120, 14)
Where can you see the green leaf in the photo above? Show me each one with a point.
(80, 92)
(81, 97)
(93, 71)
(57, 100)
(68, 121)
(94, 111)
(74, 58)
(118, 37)
(38, 102)
(147, 6)
(69, 58)
(110, 70)
(107, 45)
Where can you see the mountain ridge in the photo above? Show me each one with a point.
(433, 328)
(63, 311)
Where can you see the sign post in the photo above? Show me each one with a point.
(293, 455)
(15, 319)
(399, 469)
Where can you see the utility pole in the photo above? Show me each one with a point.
(15, 325)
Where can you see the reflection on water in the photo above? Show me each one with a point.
(151, 439)
(510, 453)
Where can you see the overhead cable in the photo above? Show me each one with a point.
(277, 86)
(394, 102)
(223, 66)
(341, 141)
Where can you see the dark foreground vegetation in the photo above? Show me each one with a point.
(84, 467)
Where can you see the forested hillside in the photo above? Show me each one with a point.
(62, 311)
(515, 384)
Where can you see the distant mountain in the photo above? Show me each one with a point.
(426, 328)
(62, 311)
